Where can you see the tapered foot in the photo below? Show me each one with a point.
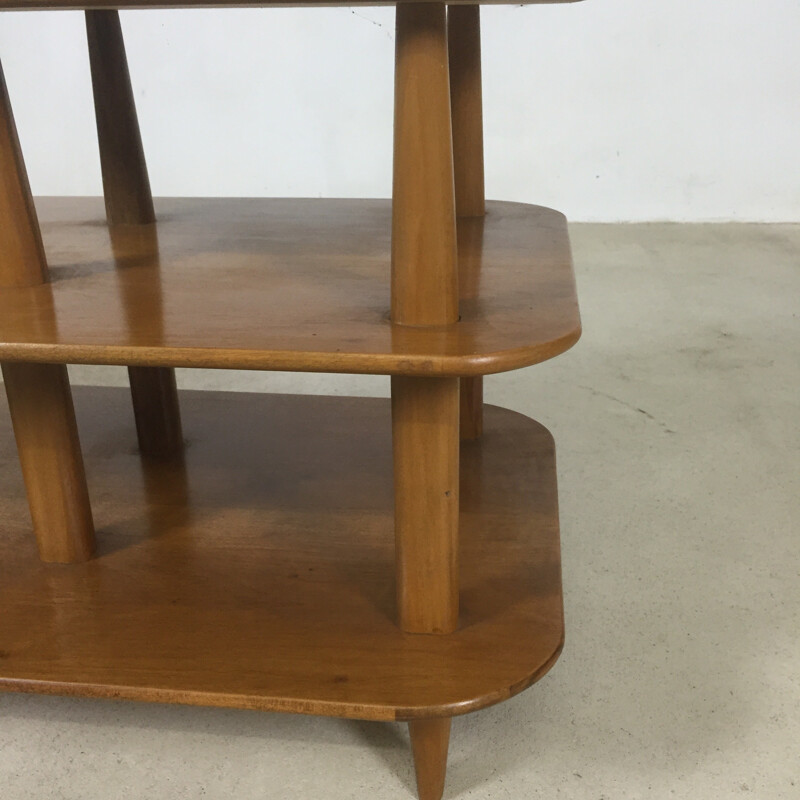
(430, 739)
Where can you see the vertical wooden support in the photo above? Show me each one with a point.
(22, 260)
(126, 187)
(156, 410)
(424, 260)
(466, 99)
(425, 411)
(425, 424)
(424, 292)
(39, 396)
(464, 42)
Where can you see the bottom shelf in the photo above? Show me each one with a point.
(259, 571)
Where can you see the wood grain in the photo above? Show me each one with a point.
(39, 394)
(49, 451)
(424, 258)
(22, 259)
(259, 571)
(425, 443)
(430, 739)
(286, 284)
(126, 189)
(466, 102)
(425, 411)
(126, 184)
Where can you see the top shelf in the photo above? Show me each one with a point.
(23, 5)
(298, 285)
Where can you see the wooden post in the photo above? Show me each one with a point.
(126, 187)
(464, 42)
(425, 411)
(424, 259)
(39, 396)
(425, 424)
(430, 739)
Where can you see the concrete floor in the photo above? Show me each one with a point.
(676, 418)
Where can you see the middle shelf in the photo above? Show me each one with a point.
(288, 284)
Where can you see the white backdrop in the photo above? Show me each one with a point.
(608, 109)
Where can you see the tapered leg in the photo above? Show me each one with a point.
(424, 259)
(424, 292)
(464, 43)
(22, 259)
(41, 408)
(39, 396)
(430, 739)
(425, 411)
(466, 102)
(126, 186)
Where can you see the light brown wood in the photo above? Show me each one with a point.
(425, 425)
(39, 394)
(126, 188)
(126, 184)
(430, 739)
(49, 452)
(425, 411)
(424, 258)
(22, 260)
(259, 571)
(286, 284)
(466, 100)
(80, 4)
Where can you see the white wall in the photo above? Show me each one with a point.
(607, 109)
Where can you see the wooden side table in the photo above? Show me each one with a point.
(334, 556)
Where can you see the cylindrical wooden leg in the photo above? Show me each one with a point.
(424, 260)
(40, 402)
(424, 292)
(22, 259)
(466, 100)
(39, 396)
(471, 408)
(425, 411)
(430, 739)
(426, 449)
(126, 186)
(156, 410)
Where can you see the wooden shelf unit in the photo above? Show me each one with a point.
(350, 557)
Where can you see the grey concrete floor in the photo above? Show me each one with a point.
(677, 421)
